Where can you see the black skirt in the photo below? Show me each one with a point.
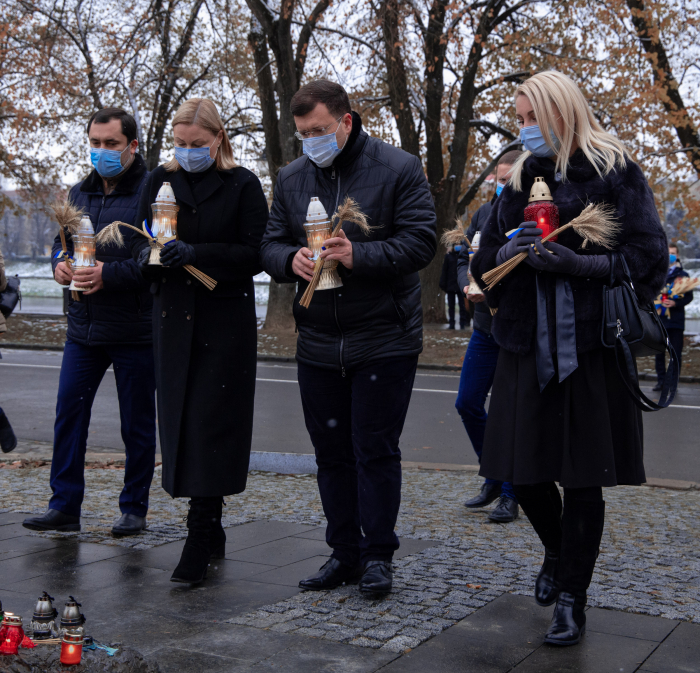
(584, 431)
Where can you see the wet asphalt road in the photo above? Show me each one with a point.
(433, 431)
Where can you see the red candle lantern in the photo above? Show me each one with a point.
(11, 634)
(541, 209)
(72, 647)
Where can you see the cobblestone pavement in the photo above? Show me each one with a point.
(649, 561)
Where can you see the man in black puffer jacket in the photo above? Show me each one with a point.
(109, 325)
(358, 344)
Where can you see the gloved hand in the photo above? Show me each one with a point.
(556, 258)
(521, 242)
(176, 254)
(143, 258)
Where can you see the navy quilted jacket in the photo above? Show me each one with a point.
(120, 313)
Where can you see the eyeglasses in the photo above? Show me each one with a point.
(315, 133)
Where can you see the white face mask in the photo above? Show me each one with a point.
(322, 150)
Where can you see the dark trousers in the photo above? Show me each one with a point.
(355, 422)
(475, 382)
(464, 315)
(81, 373)
(675, 337)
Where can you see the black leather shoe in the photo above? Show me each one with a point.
(332, 574)
(505, 511)
(52, 519)
(129, 524)
(658, 387)
(546, 591)
(568, 621)
(377, 578)
(8, 441)
(488, 493)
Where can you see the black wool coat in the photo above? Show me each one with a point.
(377, 313)
(119, 313)
(642, 241)
(205, 340)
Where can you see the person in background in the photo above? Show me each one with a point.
(109, 326)
(450, 286)
(674, 316)
(358, 345)
(480, 362)
(8, 441)
(205, 341)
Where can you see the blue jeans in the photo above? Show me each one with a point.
(474, 384)
(81, 373)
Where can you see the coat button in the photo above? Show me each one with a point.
(188, 281)
(189, 317)
(163, 280)
(164, 314)
(194, 210)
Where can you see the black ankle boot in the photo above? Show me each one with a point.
(196, 553)
(218, 535)
(546, 591)
(568, 621)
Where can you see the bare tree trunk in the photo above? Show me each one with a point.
(650, 38)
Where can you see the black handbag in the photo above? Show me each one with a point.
(635, 330)
(10, 296)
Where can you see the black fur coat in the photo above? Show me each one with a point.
(642, 242)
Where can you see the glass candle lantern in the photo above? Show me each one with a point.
(318, 231)
(71, 617)
(164, 226)
(72, 648)
(11, 633)
(473, 287)
(83, 249)
(43, 622)
(541, 209)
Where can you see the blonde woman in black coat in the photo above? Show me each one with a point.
(205, 340)
(559, 411)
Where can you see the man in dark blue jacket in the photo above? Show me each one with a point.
(673, 315)
(358, 344)
(109, 325)
(480, 363)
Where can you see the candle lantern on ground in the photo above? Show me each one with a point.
(71, 648)
(43, 622)
(71, 618)
(11, 633)
(318, 231)
(541, 208)
(83, 249)
(164, 227)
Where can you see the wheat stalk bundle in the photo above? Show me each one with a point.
(68, 218)
(348, 212)
(683, 285)
(596, 224)
(454, 236)
(112, 235)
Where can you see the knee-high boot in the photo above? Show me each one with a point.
(218, 535)
(542, 506)
(196, 553)
(582, 530)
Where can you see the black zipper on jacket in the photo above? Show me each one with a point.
(335, 299)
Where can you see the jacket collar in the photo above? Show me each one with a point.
(194, 194)
(129, 183)
(580, 169)
(355, 143)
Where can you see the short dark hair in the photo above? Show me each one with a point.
(331, 94)
(107, 114)
(509, 158)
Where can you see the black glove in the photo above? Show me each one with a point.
(521, 242)
(556, 258)
(176, 254)
(143, 258)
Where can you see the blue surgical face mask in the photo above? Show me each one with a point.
(108, 163)
(322, 150)
(499, 188)
(672, 258)
(194, 160)
(534, 141)
(458, 248)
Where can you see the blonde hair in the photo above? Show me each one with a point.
(203, 113)
(552, 95)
